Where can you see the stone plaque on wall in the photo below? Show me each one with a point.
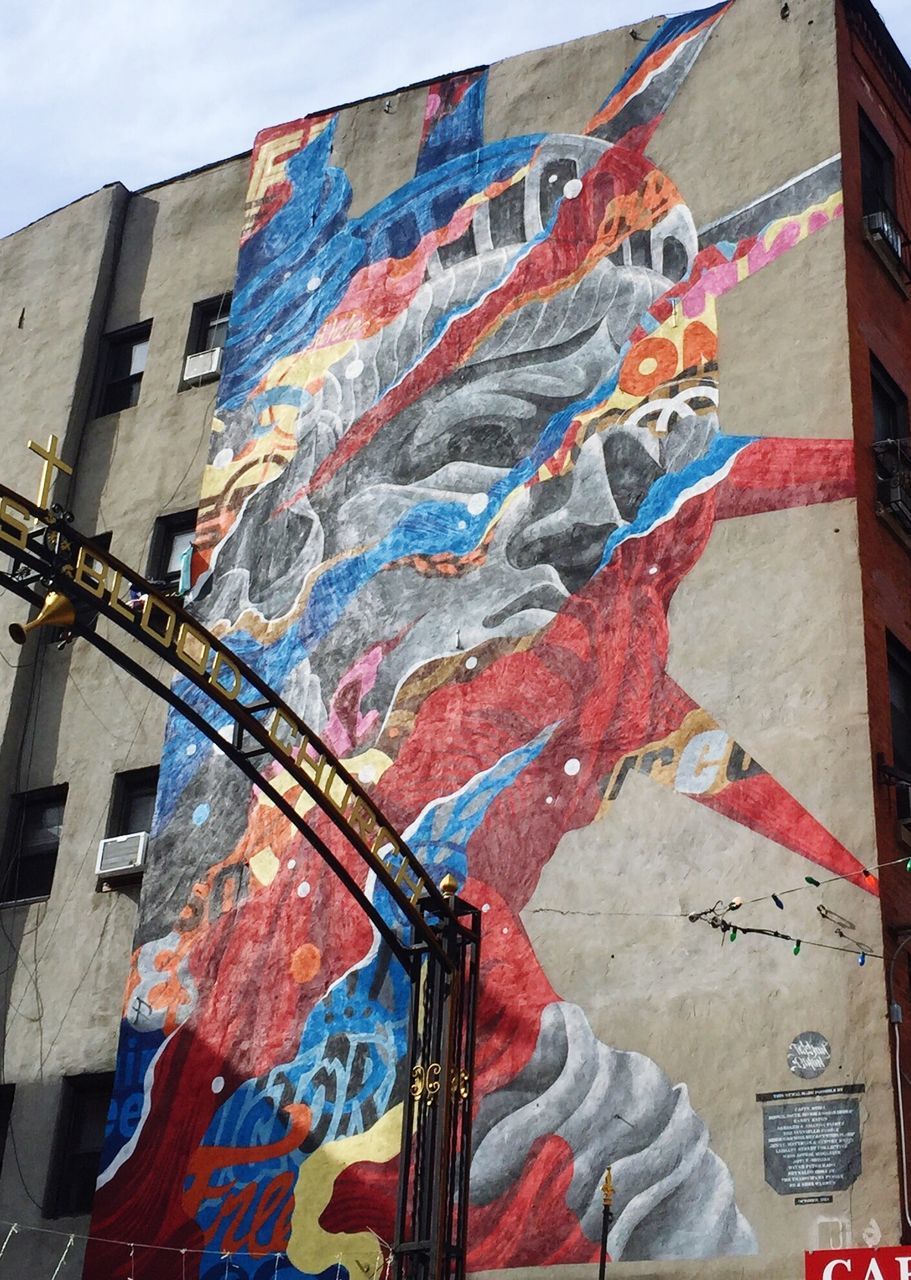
(811, 1145)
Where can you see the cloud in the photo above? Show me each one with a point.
(97, 92)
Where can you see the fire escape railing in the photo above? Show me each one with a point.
(885, 233)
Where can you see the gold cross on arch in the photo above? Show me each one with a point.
(52, 462)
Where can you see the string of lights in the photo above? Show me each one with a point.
(384, 1248)
(811, 882)
(730, 931)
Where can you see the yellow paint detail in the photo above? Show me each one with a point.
(312, 1249)
(265, 865)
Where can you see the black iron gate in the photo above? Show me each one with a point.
(74, 583)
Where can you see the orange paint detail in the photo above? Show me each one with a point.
(700, 345)
(305, 962)
(650, 362)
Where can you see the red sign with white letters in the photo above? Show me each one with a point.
(859, 1264)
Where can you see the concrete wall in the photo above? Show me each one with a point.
(570, 565)
(104, 263)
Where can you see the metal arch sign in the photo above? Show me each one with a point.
(45, 548)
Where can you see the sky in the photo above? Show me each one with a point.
(137, 91)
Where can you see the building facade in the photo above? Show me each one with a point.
(556, 474)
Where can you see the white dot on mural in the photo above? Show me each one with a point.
(313, 283)
(653, 568)
(218, 1084)
(353, 369)
(572, 767)
(303, 889)
(548, 799)
(471, 662)
(486, 906)
(223, 457)
(267, 337)
(572, 188)
(291, 864)
(191, 749)
(505, 930)
(477, 503)
(287, 275)
(552, 179)
(461, 525)
(200, 814)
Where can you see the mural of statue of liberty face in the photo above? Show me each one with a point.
(467, 449)
(442, 543)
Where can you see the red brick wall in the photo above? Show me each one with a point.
(879, 321)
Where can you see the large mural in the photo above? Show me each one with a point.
(468, 447)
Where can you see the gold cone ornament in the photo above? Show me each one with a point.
(57, 611)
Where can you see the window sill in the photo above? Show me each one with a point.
(204, 380)
(114, 413)
(24, 902)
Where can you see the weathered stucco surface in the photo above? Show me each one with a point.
(726, 624)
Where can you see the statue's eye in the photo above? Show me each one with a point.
(490, 444)
(554, 177)
(674, 263)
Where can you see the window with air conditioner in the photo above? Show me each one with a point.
(891, 449)
(206, 341)
(31, 845)
(122, 852)
(877, 181)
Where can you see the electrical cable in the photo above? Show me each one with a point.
(15, 1227)
(900, 1075)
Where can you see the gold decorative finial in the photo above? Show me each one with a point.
(607, 1188)
(449, 885)
(52, 460)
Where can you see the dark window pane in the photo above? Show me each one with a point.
(216, 333)
(133, 802)
(209, 325)
(877, 170)
(140, 812)
(81, 1123)
(890, 405)
(172, 537)
(124, 365)
(900, 701)
(30, 851)
(6, 1108)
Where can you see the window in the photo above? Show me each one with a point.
(900, 702)
(133, 801)
(78, 1143)
(207, 336)
(877, 170)
(6, 1110)
(172, 542)
(124, 364)
(210, 323)
(890, 405)
(33, 837)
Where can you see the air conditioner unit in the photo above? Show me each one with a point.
(204, 364)
(884, 227)
(121, 855)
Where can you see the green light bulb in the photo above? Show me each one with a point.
(797, 948)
